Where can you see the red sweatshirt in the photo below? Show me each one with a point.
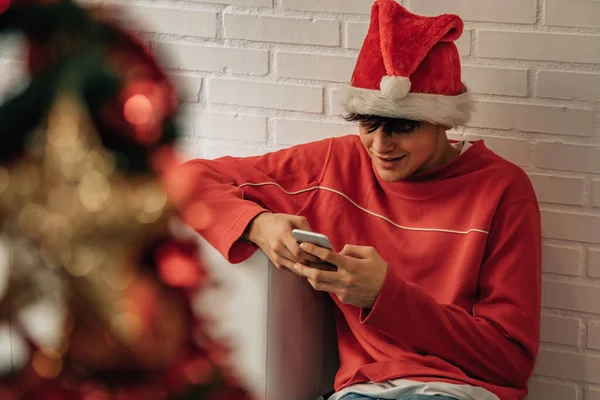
(461, 299)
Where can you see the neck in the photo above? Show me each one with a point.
(444, 154)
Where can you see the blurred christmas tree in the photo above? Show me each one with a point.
(83, 149)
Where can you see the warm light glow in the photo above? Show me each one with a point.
(96, 395)
(117, 279)
(31, 218)
(138, 110)
(94, 191)
(47, 363)
(4, 178)
(198, 217)
(83, 262)
(178, 269)
(199, 371)
(127, 326)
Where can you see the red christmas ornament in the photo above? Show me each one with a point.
(4, 4)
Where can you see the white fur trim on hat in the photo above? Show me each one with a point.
(395, 87)
(448, 111)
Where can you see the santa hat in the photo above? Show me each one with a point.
(409, 67)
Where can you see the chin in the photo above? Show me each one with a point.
(392, 176)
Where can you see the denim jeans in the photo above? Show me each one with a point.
(354, 396)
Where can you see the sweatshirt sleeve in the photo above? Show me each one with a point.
(498, 341)
(222, 196)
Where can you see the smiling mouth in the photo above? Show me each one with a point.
(391, 159)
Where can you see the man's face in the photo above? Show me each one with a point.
(397, 156)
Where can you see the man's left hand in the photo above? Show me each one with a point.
(360, 273)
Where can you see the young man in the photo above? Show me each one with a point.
(436, 271)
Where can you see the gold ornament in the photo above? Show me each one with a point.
(86, 218)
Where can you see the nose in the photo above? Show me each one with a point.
(382, 143)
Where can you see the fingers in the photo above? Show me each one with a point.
(361, 252)
(301, 223)
(308, 257)
(323, 286)
(322, 253)
(318, 275)
(321, 265)
(294, 247)
(283, 264)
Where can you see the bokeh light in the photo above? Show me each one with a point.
(199, 371)
(178, 268)
(47, 363)
(198, 216)
(94, 191)
(138, 110)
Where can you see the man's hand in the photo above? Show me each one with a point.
(360, 273)
(273, 234)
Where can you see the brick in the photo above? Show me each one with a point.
(591, 394)
(341, 6)
(558, 189)
(568, 85)
(175, 22)
(464, 43)
(282, 29)
(550, 391)
(594, 263)
(568, 157)
(212, 151)
(561, 260)
(571, 226)
(560, 330)
(211, 58)
(265, 95)
(315, 66)
(575, 48)
(355, 34)
(533, 118)
(570, 296)
(501, 81)
(296, 132)
(336, 96)
(514, 150)
(578, 14)
(256, 3)
(593, 335)
(515, 11)
(579, 367)
(225, 126)
(357, 31)
(188, 87)
(596, 193)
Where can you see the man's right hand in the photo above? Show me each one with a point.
(273, 234)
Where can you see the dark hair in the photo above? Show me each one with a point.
(390, 125)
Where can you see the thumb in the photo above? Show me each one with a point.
(300, 223)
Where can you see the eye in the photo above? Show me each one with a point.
(403, 127)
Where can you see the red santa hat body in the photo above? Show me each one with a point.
(409, 67)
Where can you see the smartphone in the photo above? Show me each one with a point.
(311, 237)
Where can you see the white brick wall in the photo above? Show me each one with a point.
(258, 75)
(517, 11)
